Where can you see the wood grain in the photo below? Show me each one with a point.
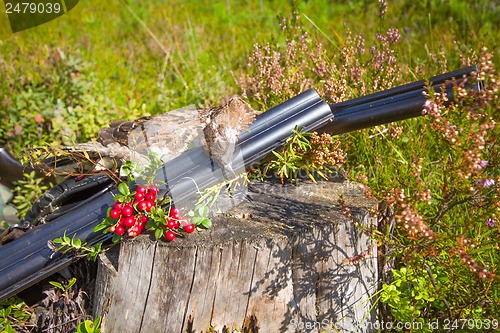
(282, 270)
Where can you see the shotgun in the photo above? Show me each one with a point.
(79, 206)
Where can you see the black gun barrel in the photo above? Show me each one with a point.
(29, 259)
(395, 104)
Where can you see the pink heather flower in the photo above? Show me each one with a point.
(491, 223)
(485, 182)
(481, 164)
(38, 118)
(488, 182)
(393, 35)
(383, 7)
(427, 107)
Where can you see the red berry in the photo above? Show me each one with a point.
(177, 224)
(119, 230)
(150, 196)
(170, 235)
(142, 205)
(141, 189)
(129, 221)
(118, 206)
(139, 196)
(175, 213)
(122, 221)
(184, 221)
(149, 205)
(114, 214)
(189, 228)
(144, 219)
(127, 210)
(171, 224)
(154, 189)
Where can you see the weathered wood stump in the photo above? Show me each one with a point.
(285, 269)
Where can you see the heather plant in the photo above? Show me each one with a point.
(436, 177)
(445, 199)
(311, 153)
(278, 72)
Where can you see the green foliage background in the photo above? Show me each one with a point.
(100, 61)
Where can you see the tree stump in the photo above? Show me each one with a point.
(290, 267)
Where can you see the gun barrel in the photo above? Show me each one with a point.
(29, 259)
(394, 104)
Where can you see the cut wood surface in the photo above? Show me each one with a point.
(284, 269)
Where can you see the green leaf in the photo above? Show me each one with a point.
(97, 323)
(158, 233)
(116, 238)
(202, 210)
(207, 223)
(280, 157)
(197, 220)
(77, 243)
(120, 198)
(98, 247)
(159, 211)
(71, 282)
(57, 284)
(82, 327)
(123, 188)
(7, 311)
(100, 227)
(8, 329)
(89, 325)
(150, 224)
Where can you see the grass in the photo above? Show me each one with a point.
(208, 40)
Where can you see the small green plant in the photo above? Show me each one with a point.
(145, 170)
(15, 315)
(138, 208)
(73, 244)
(64, 288)
(4, 225)
(89, 326)
(307, 153)
(199, 216)
(27, 190)
(408, 295)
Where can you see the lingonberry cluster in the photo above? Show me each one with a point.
(134, 209)
(175, 222)
(132, 215)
